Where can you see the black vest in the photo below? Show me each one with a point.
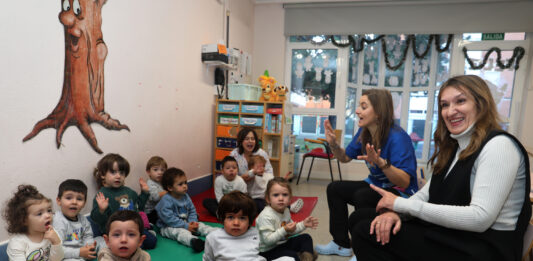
(455, 190)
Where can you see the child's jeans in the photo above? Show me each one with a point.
(185, 236)
(150, 241)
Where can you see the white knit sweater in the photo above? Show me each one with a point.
(497, 187)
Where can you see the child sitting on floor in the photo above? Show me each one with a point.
(110, 174)
(237, 212)
(124, 237)
(178, 219)
(257, 186)
(275, 226)
(225, 183)
(73, 228)
(29, 215)
(155, 168)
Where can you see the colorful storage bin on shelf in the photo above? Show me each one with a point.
(228, 119)
(252, 108)
(220, 154)
(226, 142)
(227, 131)
(252, 121)
(274, 110)
(228, 107)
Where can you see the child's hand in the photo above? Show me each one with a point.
(311, 222)
(259, 171)
(193, 226)
(290, 227)
(102, 201)
(246, 177)
(162, 193)
(88, 251)
(51, 235)
(144, 186)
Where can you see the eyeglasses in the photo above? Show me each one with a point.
(249, 139)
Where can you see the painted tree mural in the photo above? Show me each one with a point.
(82, 98)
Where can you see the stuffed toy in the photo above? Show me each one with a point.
(267, 87)
(281, 93)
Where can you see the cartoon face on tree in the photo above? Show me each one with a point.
(82, 98)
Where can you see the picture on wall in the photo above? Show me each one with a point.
(82, 97)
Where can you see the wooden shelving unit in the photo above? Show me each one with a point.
(232, 115)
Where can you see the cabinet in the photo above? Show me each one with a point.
(266, 118)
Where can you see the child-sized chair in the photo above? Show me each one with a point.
(321, 153)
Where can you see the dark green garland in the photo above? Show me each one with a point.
(357, 46)
(518, 53)
(411, 39)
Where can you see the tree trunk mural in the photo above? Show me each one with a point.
(82, 98)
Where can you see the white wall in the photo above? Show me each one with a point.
(154, 82)
(269, 42)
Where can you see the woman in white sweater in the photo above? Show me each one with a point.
(476, 205)
(248, 146)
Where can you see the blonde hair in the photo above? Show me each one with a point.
(256, 159)
(156, 161)
(280, 181)
(487, 119)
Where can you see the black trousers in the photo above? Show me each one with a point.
(260, 203)
(293, 246)
(412, 243)
(211, 205)
(340, 194)
(153, 217)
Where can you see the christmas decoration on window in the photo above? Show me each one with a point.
(518, 53)
(357, 43)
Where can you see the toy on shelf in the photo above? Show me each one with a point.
(267, 85)
(281, 93)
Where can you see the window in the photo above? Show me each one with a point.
(414, 85)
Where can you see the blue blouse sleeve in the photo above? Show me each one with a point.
(354, 148)
(401, 154)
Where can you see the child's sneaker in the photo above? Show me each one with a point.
(353, 258)
(197, 244)
(333, 249)
(297, 205)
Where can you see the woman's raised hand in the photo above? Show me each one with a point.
(372, 156)
(330, 134)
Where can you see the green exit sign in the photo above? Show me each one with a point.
(492, 36)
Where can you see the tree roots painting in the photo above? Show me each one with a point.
(82, 98)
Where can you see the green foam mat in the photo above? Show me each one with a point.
(168, 249)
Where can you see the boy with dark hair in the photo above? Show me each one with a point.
(178, 219)
(124, 237)
(73, 228)
(237, 240)
(225, 183)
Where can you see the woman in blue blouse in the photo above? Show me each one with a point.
(389, 155)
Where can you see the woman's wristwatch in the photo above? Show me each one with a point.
(386, 165)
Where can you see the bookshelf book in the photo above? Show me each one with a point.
(266, 118)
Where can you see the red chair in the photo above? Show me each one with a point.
(321, 153)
